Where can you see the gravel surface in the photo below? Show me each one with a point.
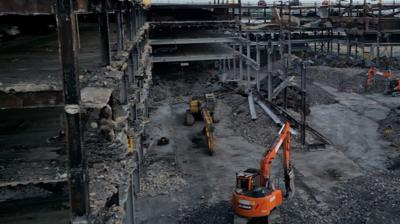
(219, 213)
(373, 198)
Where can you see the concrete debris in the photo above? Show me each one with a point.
(160, 177)
(252, 108)
(219, 213)
(269, 113)
(374, 198)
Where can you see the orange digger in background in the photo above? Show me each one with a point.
(255, 196)
(392, 83)
(372, 71)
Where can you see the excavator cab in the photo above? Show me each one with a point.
(248, 183)
(246, 180)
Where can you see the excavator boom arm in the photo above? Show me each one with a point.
(265, 163)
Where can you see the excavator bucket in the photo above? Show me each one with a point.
(289, 182)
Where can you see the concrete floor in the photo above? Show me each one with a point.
(351, 124)
(210, 178)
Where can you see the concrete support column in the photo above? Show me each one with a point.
(104, 27)
(77, 163)
(128, 21)
(120, 27)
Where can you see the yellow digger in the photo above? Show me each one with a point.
(202, 108)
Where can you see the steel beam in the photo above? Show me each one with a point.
(303, 104)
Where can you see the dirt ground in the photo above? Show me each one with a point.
(351, 181)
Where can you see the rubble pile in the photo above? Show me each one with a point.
(390, 129)
(374, 198)
(339, 61)
(369, 199)
(174, 87)
(161, 176)
(261, 131)
(343, 79)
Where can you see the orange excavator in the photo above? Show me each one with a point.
(372, 71)
(255, 195)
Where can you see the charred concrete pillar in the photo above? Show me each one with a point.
(131, 67)
(133, 21)
(77, 164)
(128, 21)
(120, 26)
(104, 27)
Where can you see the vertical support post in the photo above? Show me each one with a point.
(77, 164)
(240, 18)
(224, 66)
(104, 27)
(315, 42)
(258, 62)
(124, 88)
(338, 44)
(128, 21)
(289, 49)
(133, 21)
(137, 24)
(241, 62)
(391, 48)
(120, 27)
(265, 15)
(269, 69)
(378, 36)
(247, 64)
(284, 60)
(303, 104)
(234, 63)
(249, 14)
(131, 68)
(356, 46)
(378, 52)
(322, 41)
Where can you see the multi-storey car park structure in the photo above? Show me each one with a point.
(73, 84)
(75, 77)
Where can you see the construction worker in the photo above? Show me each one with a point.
(371, 73)
(397, 87)
(387, 73)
